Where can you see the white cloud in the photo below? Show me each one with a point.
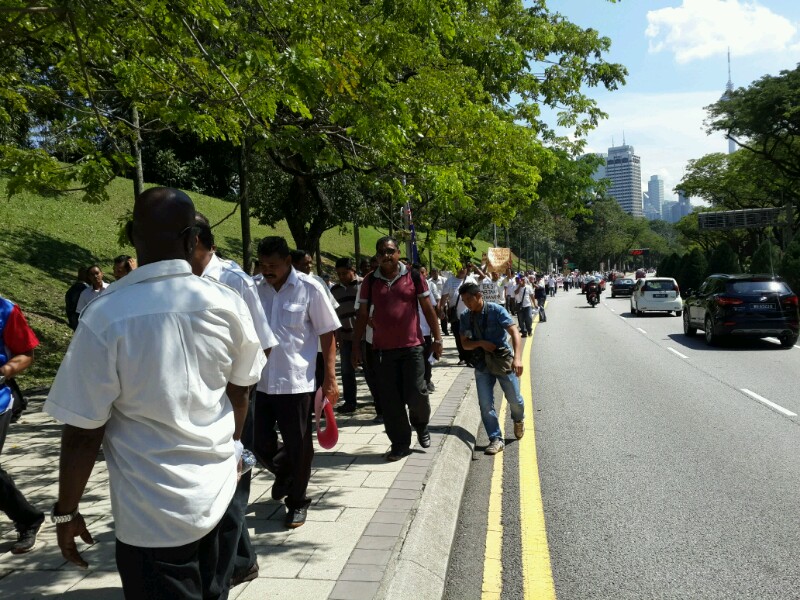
(666, 131)
(699, 29)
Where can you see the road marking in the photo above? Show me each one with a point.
(493, 555)
(537, 573)
(642, 330)
(676, 352)
(763, 400)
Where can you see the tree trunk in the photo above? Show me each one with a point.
(136, 144)
(306, 236)
(318, 259)
(357, 242)
(244, 205)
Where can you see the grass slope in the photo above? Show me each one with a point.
(43, 242)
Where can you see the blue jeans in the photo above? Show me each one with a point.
(525, 317)
(484, 382)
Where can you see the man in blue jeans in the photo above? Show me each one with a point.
(487, 325)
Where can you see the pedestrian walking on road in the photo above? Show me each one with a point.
(525, 306)
(394, 292)
(452, 305)
(17, 343)
(158, 372)
(540, 296)
(486, 327)
(303, 319)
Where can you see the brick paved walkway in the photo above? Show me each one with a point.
(361, 504)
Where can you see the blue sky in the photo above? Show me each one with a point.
(676, 55)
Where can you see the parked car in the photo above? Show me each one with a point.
(747, 305)
(622, 286)
(656, 294)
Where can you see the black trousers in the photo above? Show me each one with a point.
(456, 327)
(236, 554)
(185, 572)
(402, 383)
(427, 350)
(12, 502)
(370, 362)
(290, 460)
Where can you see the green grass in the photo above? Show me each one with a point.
(43, 242)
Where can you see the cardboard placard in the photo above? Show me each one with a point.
(498, 259)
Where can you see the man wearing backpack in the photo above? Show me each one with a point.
(393, 292)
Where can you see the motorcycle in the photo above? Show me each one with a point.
(593, 294)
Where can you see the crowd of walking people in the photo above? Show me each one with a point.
(186, 363)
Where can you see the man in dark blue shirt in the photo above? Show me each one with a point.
(487, 326)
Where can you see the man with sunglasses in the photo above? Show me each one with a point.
(396, 292)
(158, 372)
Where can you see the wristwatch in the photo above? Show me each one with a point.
(59, 519)
(437, 341)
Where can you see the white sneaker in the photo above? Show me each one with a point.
(495, 446)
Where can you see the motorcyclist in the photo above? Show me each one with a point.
(592, 289)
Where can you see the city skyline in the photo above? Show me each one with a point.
(676, 52)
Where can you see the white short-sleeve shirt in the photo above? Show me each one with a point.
(298, 313)
(232, 275)
(87, 296)
(150, 360)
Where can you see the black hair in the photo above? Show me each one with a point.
(383, 241)
(121, 259)
(345, 263)
(298, 255)
(204, 233)
(469, 288)
(273, 244)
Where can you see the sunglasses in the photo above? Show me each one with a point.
(387, 252)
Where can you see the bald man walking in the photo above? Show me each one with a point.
(158, 371)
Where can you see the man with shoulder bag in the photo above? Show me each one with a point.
(484, 329)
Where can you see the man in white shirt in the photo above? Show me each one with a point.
(436, 285)
(158, 371)
(301, 316)
(525, 303)
(452, 304)
(96, 287)
(302, 261)
(238, 561)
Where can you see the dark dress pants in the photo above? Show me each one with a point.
(290, 460)
(348, 372)
(370, 362)
(427, 351)
(402, 383)
(12, 502)
(456, 327)
(185, 572)
(236, 554)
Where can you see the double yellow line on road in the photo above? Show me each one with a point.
(537, 572)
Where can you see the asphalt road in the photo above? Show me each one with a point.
(664, 472)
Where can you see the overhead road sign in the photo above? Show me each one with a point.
(737, 219)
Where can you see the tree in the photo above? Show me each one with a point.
(693, 270)
(723, 260)
(790, 265)
(415, 97)
(766, 259)
(669, 266)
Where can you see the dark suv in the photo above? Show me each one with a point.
(742, 305)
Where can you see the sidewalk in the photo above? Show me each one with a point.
(358, 542)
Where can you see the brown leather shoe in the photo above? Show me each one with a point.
(249, 575)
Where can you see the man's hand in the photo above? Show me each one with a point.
(355, 356)
(330, 389)
(436, 348)
(66, 534)
(516, 366)
(487, 346)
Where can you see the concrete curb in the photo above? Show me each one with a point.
(419, 567)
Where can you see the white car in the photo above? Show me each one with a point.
(656, 294)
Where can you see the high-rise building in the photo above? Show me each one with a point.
(667, 212)
(655, 194)
(600, 171)
(624, 170)
(684, 206)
